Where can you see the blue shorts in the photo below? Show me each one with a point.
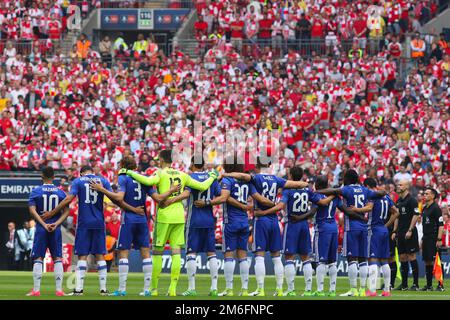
(235, 237)
(296, 238)
(266, 235)
(135, 234)
(378, 241)
(44, 240)
(200, 240)
(325, 247)
(90, 241)
(355, 244)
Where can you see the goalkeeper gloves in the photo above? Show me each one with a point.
(214, 174)
(123, 171)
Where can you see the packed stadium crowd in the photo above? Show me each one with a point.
(335, 109)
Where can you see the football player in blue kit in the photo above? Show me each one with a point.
(355, 230)
(133, 227)
(296, 235)
(266, 230)
(90, 236)
(234, 197)
(382, 216)
(48, 233)
(325, 243)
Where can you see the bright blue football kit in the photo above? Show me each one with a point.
(133, 227)
(326, 232)
(355, 230)
(378, 234)
(235, 221)
(46, 198)
(90, 237)
(201, 223)
(266, 230)
(296, 235)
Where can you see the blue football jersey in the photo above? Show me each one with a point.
(135, 196)
(202, 217)
(380, 212)
(267, 185)
(297, 201)
(326, 216)
(239, 191)
(357, 196)
(90, 202)
(46, 198)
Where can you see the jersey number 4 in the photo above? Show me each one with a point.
(269, 193)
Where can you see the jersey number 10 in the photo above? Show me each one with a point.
(50, 202)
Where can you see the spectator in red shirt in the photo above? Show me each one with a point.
(114, 225)
(6, 121)
(200, 28)
(237, 32)
(265, 30)
(360, 30)
(317, 28)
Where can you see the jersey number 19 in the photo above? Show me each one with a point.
(91, 195)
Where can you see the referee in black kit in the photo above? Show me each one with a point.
(407, 238)
(433, 227)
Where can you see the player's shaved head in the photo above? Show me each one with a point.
(351, 177)
(128, 162)
(48, 173)
(296, 173)
(321, 182)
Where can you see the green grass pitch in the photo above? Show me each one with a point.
(14, 286)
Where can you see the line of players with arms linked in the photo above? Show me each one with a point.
(371, 222)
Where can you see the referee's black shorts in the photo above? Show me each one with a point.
(429, 249)
(408, 246)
